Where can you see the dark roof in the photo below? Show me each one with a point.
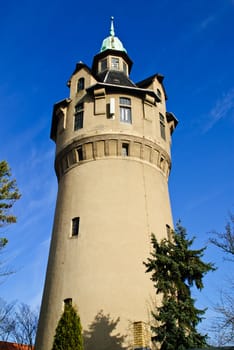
(171, 117)
(146, 82)
(115, 77)
(129, 89)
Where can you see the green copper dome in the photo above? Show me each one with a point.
(112, 42)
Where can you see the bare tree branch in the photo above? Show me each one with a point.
(225, 240)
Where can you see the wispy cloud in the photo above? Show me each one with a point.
(206, 22)
(221, 109)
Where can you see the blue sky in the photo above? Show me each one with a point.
(189, 42)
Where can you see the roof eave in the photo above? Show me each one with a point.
(62, 103)
(133, 89)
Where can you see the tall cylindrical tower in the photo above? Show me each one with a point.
(112, 162)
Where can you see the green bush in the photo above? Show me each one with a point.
(68, 335)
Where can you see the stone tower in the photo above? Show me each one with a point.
(113, 139)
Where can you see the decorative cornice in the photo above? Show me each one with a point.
(97, 147)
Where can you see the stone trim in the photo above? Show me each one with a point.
(93, 148)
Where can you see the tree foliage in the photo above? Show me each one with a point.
(68, 335)
(9, 193)
(175, 268)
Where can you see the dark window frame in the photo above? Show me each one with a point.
(75, 226)
(79, 116)
(67, 302)
(125, 149)
(81, 84)
(80, 153)
(162, 126)
(103, 66)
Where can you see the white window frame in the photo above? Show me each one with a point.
(125, 110)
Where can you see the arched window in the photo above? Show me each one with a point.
(159, 94)
(80, 84)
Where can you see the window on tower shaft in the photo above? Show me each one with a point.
(67, 302)
(169, 232)
(75, 226)
(162, 126)
(125, 149)
(125, 110)
(80, 153)
(79, 116)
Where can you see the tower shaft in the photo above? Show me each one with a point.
(112, 162)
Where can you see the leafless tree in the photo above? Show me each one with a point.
(25, 328)
(225, 240)
(224, 327)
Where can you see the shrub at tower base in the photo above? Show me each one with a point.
(68, 335)
(175, 268)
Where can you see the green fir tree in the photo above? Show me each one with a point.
(175, 268)
(68, 335)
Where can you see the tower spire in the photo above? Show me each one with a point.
(112, 42)
(112, 30)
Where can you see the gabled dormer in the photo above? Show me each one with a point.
(80, 79)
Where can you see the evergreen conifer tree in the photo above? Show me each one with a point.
(175, 268)
(68, 335)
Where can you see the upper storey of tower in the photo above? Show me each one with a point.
(104, 103)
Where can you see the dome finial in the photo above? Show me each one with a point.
(112, 30)
(112, 42)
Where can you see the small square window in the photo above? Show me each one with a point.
(169, 232)
(125, 149)
(80, 153)
(75, 226)
(124, 67)
(67, 302)
(115, 63)
(103, 65)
